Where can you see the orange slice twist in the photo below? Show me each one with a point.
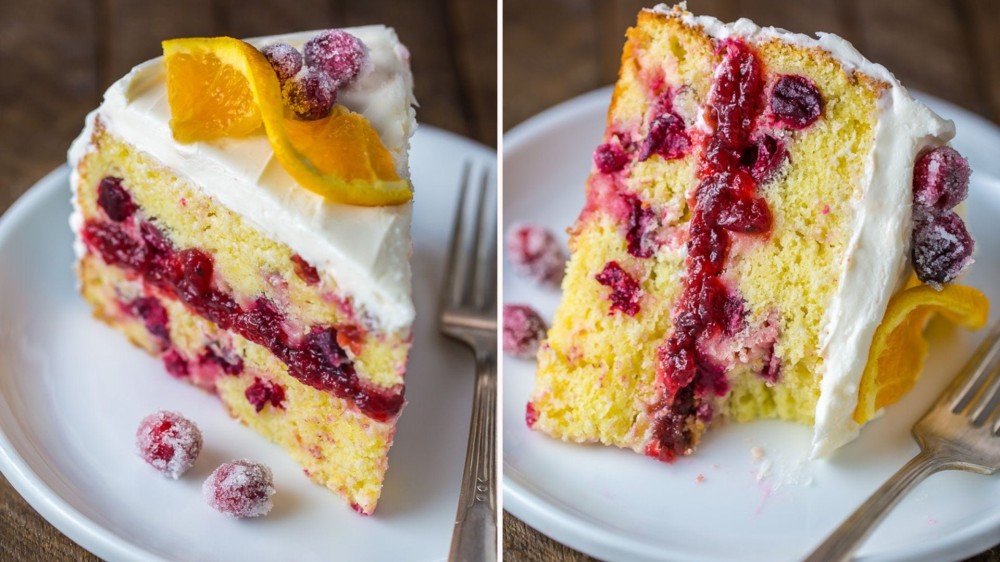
(224, 87)
(898, 348)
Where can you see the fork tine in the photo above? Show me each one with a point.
(988, 400)
(485, 246)
(974, 375)
(454, 286)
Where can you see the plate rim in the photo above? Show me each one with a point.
(56, 510)
(567, 525)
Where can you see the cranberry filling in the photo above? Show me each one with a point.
(625, 293)
(610, 158)
(154, 316)
(305, 271)
(187, 274)
(667, 137)
(796, 101)
(114, 199)
(726, 201)
(261, 392)
(641, 228)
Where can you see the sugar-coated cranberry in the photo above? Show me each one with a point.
(940, 179)
(340, 55)
(261, 392)
(305, 271)
(535, 253)
(667, 137)
(285, 59)
(169, 442)
(311, 95)
(625, 291)
(240, 488)
(942, 247)
(610, 158)
(523, 330)
(114, 199)
(796, 101)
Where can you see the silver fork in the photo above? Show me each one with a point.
(469, 314)
(961, 431)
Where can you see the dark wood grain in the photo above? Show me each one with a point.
(557, 49)
(58, 56)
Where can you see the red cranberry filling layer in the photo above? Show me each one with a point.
(317, 360)
(796, 101)
(625, 292)
(726, 201)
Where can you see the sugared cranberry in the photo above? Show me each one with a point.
(523, 330)
(610, 158)
(667, 137)
(942, 247)
(625, 292)
(240, 488)
(261, 392)
(310, 95)
(114, 199)
(305, 271)
(535, 253)
(764, 157)
(940, 179)
(285, 59)
(340, 55)
(530, 415)
(641, 228)
(796, 101)
(169, 442)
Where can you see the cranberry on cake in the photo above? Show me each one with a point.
(752, 223)
(245, 217)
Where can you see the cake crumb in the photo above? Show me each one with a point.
(757, 453)
(700, 478)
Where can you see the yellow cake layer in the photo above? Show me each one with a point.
(337, 446)
(250, 263)
(597, 370)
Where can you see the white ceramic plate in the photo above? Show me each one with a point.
(72, 392)
(721, 503)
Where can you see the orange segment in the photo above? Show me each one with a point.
(223, 87)
(898, 349)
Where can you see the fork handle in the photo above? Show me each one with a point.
(474, 538)
(852, 532)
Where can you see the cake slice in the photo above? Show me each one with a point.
(749, 224)
(214, 256)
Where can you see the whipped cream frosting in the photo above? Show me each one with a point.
(876, 261)
(365, 249)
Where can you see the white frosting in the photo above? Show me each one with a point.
(365, 249)
(877, 255)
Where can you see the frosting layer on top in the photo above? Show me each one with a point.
(365, 249)
(876, 261)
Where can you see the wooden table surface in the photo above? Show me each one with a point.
(557, 49)
(58, 56)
